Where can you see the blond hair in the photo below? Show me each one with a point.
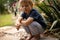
(29, 2)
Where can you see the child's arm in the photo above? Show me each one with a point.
(18, 23)
(28, 21)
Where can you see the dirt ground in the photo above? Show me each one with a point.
(10, 33)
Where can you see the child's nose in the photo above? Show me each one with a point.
(24, 7)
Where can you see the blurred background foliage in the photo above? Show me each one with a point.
(5, 15)
(51, 9)
(4, 5)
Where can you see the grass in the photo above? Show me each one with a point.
(5, 20)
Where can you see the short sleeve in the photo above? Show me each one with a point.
(23, 15)
(35, 15)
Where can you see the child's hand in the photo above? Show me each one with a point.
(18, 25)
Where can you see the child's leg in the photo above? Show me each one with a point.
(35, 37)
(34, 29)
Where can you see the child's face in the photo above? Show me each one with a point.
(26, 8)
